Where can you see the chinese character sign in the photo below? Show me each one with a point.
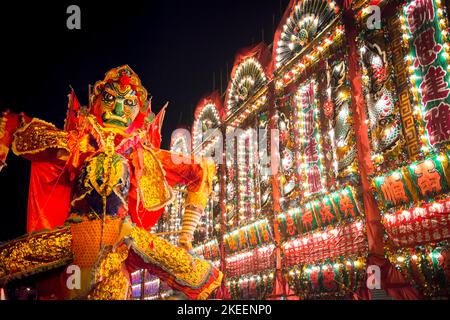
(430, 68)
(325, 211)
(393, 189)
(420, 181)
(311, 163)
(248, 237)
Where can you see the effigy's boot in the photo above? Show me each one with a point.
(181, 270)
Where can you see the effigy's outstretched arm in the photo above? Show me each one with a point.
(47, 147)
(31, 138)
(197, 174)
(196, 202)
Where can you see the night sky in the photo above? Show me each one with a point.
(174, 46)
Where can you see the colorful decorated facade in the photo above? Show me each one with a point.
(361, 112)
(332, 151)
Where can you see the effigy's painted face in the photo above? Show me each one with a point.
(119, 99)
(119, 108)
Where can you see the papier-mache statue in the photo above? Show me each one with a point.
(96, 189)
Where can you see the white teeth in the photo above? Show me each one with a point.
(109, 116)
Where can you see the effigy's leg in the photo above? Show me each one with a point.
(111, 276)
(35, 253)
(183, 271)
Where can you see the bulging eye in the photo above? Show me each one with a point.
(108, 97)
(130, 102)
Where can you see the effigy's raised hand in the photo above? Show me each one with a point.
(9, 122)
(185, 241)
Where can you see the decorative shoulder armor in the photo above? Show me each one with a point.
(155, 192)
(199, 199)
(38, 136)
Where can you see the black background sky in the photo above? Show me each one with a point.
(174, 46)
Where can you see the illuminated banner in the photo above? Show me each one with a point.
(344, 240)
(326, 210)
(424, 21)
(210, 250)
(422, 180)
(249, 236)
(419, 225)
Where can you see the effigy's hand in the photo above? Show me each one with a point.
(62, 154)
(9, 122)
(185, 241)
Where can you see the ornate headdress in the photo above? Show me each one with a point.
(124, 80)
(127, 80)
